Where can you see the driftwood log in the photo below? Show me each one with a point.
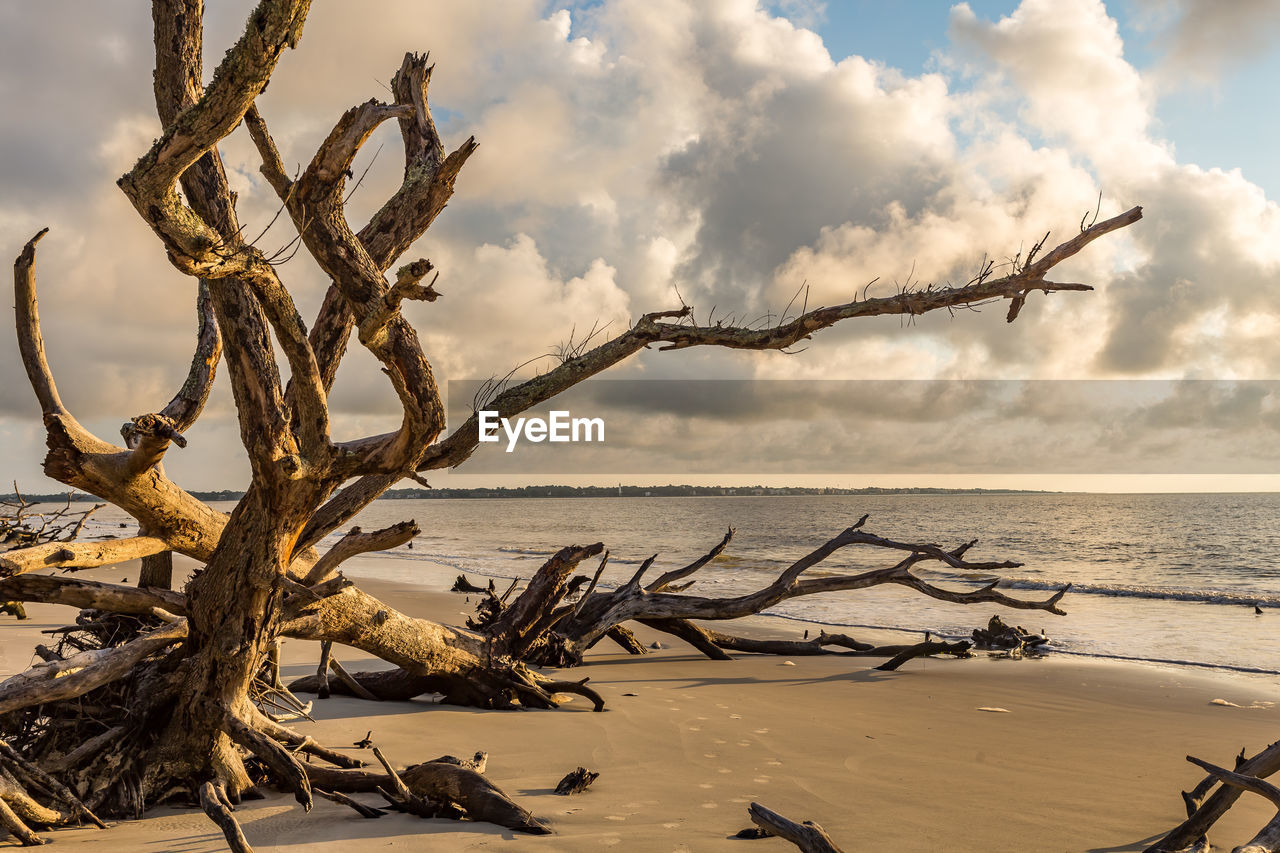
(807, 836)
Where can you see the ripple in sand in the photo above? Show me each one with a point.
(695, 729)
(735, 716)
(721, 742)
(774, 763)
(762, 731)
(710, 755)
(705, 785)
(725, 770)
(614, 817)
(761, 780)
(744, 743)
(671, 826)
(711, 805)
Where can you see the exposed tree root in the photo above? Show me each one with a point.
(216, 804)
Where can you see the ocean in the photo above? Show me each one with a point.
(1165, 579)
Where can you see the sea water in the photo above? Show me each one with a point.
(1168, 579)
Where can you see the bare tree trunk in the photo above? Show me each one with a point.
(157, 570)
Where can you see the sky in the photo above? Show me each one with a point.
(731, 154)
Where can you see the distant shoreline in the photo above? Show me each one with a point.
(554, 491)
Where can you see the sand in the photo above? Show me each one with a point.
(1083, 756)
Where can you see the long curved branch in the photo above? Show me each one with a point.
(30, 339)
(188, 403)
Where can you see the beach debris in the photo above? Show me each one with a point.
(809, 837)
(655, 645)
(1013, 639)
(477, 762)
(576, 781)
(461, 584)
(788, 663)
(1256, 704)
(1257, 610)
(364, 742)
(994, 710)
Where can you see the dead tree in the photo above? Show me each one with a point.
(191, 658)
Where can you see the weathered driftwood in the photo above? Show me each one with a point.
(78, 674)
(1268, 838)
(576, 781)
(1011, 638)
(77, 555)
(807, 836)
(1204, 809)
(540, 628)
(461, 584)
(23, 524)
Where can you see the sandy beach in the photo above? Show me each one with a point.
(1086, 756)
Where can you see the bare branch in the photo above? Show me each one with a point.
(30, 340)
(671, 577)
(196, 128)
(188, 403)
(78, 555)
(82, 594)
(78, 674)
(272, 166)
(358, 542)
